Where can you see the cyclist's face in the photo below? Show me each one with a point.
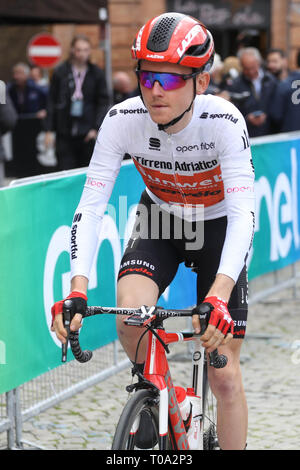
(163, 106)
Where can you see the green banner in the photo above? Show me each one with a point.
(35, 271)
(34, 254)
(277, 190)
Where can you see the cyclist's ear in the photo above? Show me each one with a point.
(202, 82)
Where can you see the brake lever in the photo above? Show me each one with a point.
(72, 336)
(218, 361)
(67, 323)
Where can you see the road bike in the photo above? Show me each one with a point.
(153, 396)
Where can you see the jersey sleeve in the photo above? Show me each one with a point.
(238, 179)
(101, 176)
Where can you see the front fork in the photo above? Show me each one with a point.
(197, 384)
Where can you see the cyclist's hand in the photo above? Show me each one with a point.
(80, 301)
(220, 325)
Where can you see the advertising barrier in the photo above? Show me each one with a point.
(277, 188)
(34, 253)
(35, 270)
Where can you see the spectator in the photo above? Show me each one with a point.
(285, 109)
(28, 98)
(8, 119)
(78, 101)
(277, 64)
(261, 86)
(230, 71)
(215, 76)
(122, 87)
(216, 69)
(294, 75)
(38, 77)
(29, 101)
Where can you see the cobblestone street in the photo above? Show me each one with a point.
(271, 370)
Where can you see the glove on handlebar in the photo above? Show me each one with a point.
(80, 304)
(220, 317)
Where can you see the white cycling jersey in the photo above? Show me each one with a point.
(208, 163)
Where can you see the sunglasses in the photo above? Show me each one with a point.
(168, 81)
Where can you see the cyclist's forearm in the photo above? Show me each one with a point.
(222, 287)
(79, 284)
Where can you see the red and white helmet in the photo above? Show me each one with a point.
(177, 39)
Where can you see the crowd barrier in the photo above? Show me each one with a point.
(34, 252)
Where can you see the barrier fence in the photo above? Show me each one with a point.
(38, 209)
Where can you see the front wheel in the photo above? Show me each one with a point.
(138, 426)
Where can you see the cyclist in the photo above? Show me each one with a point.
(193, 153)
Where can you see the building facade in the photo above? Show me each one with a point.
(272, 23)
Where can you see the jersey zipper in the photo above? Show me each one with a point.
(170, 141)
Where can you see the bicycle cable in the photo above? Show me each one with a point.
(134, 370)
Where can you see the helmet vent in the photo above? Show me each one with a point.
(161, 33)
(199, 49)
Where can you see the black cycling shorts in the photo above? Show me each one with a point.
(161, 241)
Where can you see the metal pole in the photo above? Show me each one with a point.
(108, 62)
(18, 418)
(103, 16)
(115, 352)
(10, 416)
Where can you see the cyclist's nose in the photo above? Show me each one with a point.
(157, 89)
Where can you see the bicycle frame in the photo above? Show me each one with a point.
(157, 371)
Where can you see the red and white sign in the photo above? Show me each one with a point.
(44, 50)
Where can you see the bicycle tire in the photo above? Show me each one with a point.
(209, 403)
(142, 400)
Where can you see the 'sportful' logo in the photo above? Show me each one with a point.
(154, 144)
(227, 116)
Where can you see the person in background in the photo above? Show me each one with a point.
(122, 87)
(223, 75)
(215, 73)
(230, 71)
(39, 78)
(28, 98)
(214, 87)
(261, 86)
(277, 64)
(77, 104)
(8, 119)
(285, 109)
